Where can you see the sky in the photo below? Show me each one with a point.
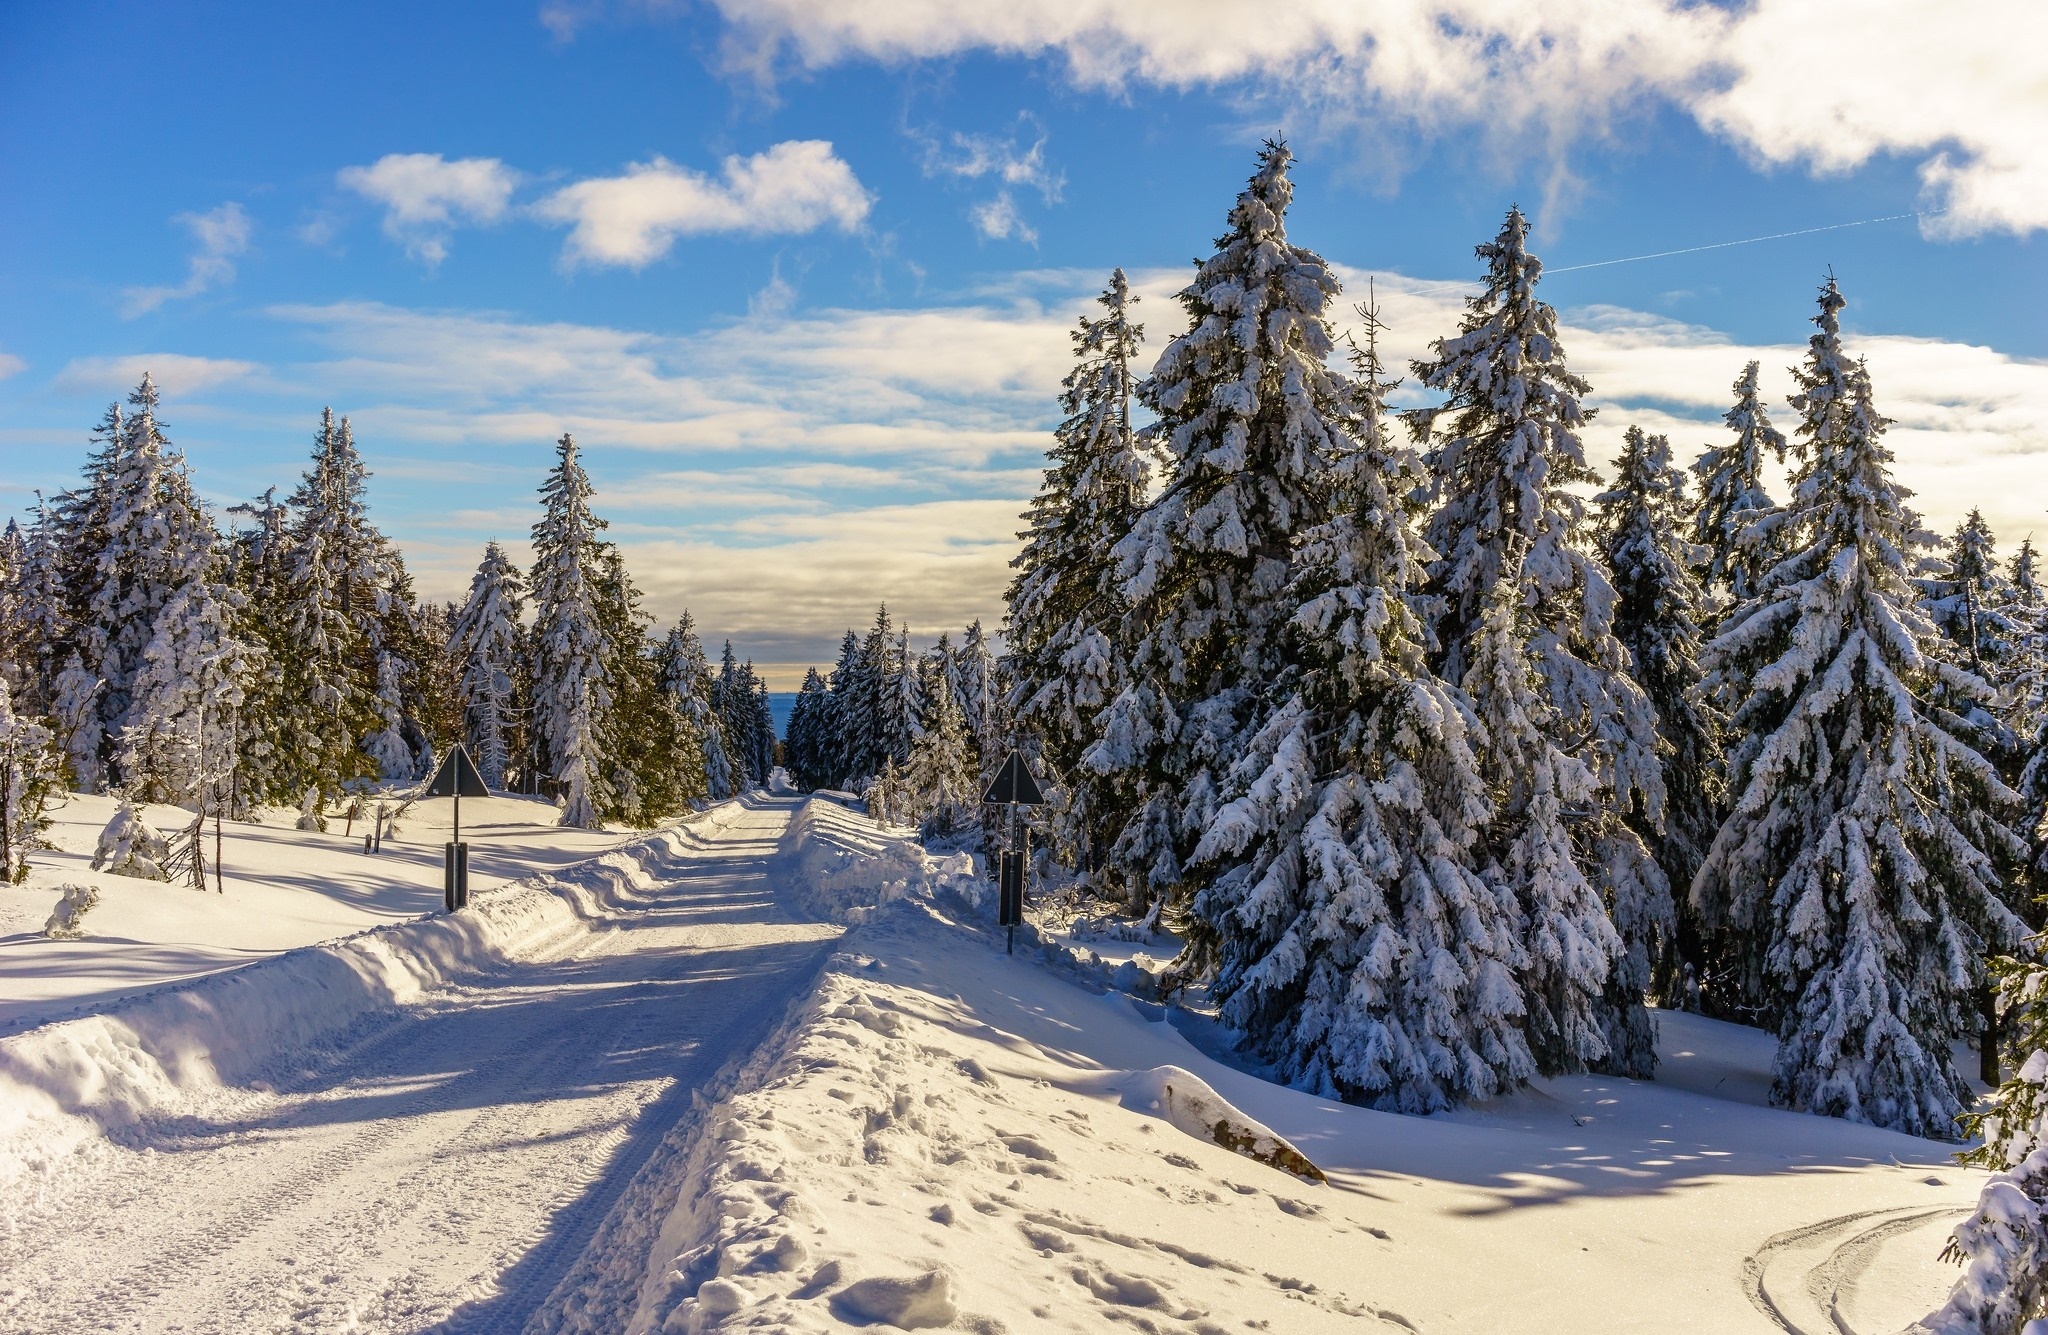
(798, 277)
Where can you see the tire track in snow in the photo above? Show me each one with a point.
(491, 1148)
(1798, 1278)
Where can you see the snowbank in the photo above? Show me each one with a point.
(67, 1083)
(843, 867)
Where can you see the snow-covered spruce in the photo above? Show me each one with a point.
(1859, 864)
(486, 645)
(131, 846)
(30, 774)
(941, 781)
(2004, 1244)
(570, 690)
(1358, 945)
(331, 600)
(1656, 617)
(67, 920)
(1065, 609)
(685, 675)
(1525, 623)
(1247, 410)
(1736, 524)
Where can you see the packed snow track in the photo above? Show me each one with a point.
(447, 1172)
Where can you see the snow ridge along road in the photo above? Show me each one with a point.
(445, 1172)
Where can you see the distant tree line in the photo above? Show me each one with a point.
(147, 651)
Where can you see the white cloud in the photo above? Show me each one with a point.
(1790, 81)
(794, 187)
(11, 365)
(222, 234)
(425, 196)
(974, 156)
(175, 372)
(997, 219)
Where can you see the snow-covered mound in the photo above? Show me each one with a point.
(843, 866)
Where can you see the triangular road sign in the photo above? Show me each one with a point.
(1013, 783)
(457, 777)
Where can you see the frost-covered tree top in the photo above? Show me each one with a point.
(484, 641)
(1063, 603)
(1245, 404)
(1736, 550)
(1860, 859)
(571, 694)
(1508, 456)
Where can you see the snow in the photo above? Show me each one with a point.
(283, 889)
(622, 1096)
(945, 1120)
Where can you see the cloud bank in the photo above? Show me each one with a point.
(1787, 81)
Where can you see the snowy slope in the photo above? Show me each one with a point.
(947, 1137)
(284, 888)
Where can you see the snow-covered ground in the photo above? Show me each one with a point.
(623, 1097)
(949, 1137)
(283, 888)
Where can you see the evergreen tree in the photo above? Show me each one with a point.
(685, 676)
(17, 634)
(1859, 860)
(1065, 606)
(903, 704)
(980, 692)
(1735, 526)
(861, 690)
(330, 600)
(259, 570)
(1656, 611)
(1359, 948)
(941, 778)
(2004, 1243)
(45, 613)
(807, 747)
(182, 743)
(1246, 411)
(571, 694)
(157, 542)
(837, 730)
(486, 642)
(30, 774)
(1525, 623)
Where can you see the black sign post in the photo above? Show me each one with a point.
(457, 778)
(1013, 787)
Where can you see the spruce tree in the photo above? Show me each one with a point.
(571, 694)
(1065, 606)
(862, 691)
(486, 642)
(837, 732)
(1735, 525)
(331, 600)
(1524, 622)
(1358, 946)
(807, 746)
(1860, 857)
(685, 676)
(30, 775)
(1656, 617)
(17, 635)
(1247, 410)
(941, 778)
(155, 538)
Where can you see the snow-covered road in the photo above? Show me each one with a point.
(446, 1173)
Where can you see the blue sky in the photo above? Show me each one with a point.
(798, 276)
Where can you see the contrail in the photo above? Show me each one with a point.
(1746, 241)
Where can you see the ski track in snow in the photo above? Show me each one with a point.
(1803, 1278)
(445, 1174)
